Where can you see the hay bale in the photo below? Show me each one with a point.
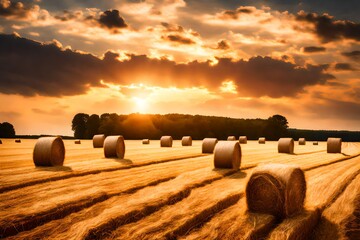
(77, 142)
(145, 141)
(315, 143)
(114, 147)
(231, 138)
(166, 141)
(208, 145)
(334, 145)
(286, 145)
(17, 140)
(227, 154)
(49, 151)
(98, 140)
(262, 140)
(243, 139)
(276, 189)
(302, 141)
(186, 141)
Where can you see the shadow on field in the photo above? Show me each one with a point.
(55, 169)
(238, 175)
(123, 161)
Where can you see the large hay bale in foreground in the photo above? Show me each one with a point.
(145, 141)
(208, 145)
(49, 151)
(166, 141)
(17, 140)
(77, 142)
(114, 146)
(98, 140)
(227, 154)
(243, 139)
(302, 141)
(315, 143)
(286, 145)
(231, 138)
(262, 140)
(334, 145)
(276, 189)
(186, 141)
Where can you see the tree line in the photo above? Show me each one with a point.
(7, 130)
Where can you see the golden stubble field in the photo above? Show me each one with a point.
(170, 193)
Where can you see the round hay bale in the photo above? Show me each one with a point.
(49, 151)
(227, 154)
(166, 141)
(208, 145)
(302, 141)
(98, 140)
(334, 145)
(114, 147)
(286, 145)
(315, 143)
(262, 140)
(243, 139)
(77, 142)
(17, 140)
(186, 141)
(145, 141)
(231, 138)
(276, 189)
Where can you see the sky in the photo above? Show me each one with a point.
(241, 59)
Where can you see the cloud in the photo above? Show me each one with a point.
(112, 19)
(328, 29)
(223, 45)
(234, 14)
(313, 49)
(354, 55)
(178, 38)
(19, 11)
(344, 67)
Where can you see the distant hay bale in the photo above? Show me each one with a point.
(231, 138)
(334, 145)
(227, 154)
(0, 141)
(276, 189)
(114, 147)
(186, 141)
(302, 141)
(166, 141)
(262, 140)
(208, 145)
(315, 143)
(243, 139)
(286, 145)
(98, 140)
(77, 142)
(145, 141)
(49, 151)
(17, 140)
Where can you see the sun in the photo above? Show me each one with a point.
(140, 104)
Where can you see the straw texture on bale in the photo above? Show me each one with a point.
(98, 140)
(17, 140)
(262, 140)
(114, 147)
(77, 142)
(208, 145)
(286, 145)
(243, 139)
(49, 151)
(227, 154)
(186, 141)
(276, 189)
(334, 145)
(315, 143)
(231, 138)
(166, 141)
(145, 141)
(302, 141)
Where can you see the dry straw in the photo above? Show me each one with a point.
(77, 142)
(208, 145)
(276, 189)
(98, 140)
(227, 154)
(262, 140)
(315, 143)
(114, 147)
(186, 141)
(166, 141)
(286, 145)
(231, 138)
(334, 145)
(145, 141)
(17, 140)
(302, 141)
(243, 139)
(49, 151)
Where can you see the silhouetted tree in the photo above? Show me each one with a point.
(92, 125)
(7, 130)
(79, 125)
(276, 127)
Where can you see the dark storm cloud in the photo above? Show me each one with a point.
(112, 19)
(344, 67)
(328, 29)
(354, 55)
(312, 49)
(223, 45)
(178, 38)
(13, 9)
(29, 68)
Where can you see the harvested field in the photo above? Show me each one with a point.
(171, 193)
